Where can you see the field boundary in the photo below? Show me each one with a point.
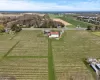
(27, 57)
(51, 71)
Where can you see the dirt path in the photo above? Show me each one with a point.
(64, 22)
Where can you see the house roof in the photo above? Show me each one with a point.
(54, 33)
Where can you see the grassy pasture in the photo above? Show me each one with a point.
(5, 36)
(24, 69)
(70, 19)
(75, 22)
(30, 44)
(25, 48)
(96, 33)
(54, 16)
(5, 46)
(38, 58)
(69, 54)
(26, 60)
(5, 43)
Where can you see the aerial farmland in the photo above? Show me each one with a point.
(30, 55)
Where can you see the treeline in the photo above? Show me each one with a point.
(2, 28)
(93, 27)
(29, 20)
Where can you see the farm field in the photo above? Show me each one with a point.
(31, 44)
(24, 69)
(31, 56)
(4, 37)
(96, 33)
(71, 20)
(70, 52)
(52, 16)
(5, 46)
(62, 21)
(24, 57)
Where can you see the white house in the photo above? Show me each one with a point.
(54, 34)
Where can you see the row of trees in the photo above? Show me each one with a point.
(16, 28)
(29, 20)
(13, 28)
(93, 27)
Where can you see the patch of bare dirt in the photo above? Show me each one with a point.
(64, 22)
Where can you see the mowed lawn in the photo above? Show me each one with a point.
(24, 57)
(69, 54)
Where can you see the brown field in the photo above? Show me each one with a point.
(64, 22)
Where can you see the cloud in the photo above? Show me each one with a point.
(29, 5)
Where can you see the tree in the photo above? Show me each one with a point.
(93, 28)
(46, 16)
(16, 28)
(96, 28)
(89, 27)
(29, 20)
(2, 28)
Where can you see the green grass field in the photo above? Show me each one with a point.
(70, 19)
(30, 44)
(54, 16)
(24, 68)
(96, 33)
(75, 22)
(24, 57)
(31, 56)
(70, 52)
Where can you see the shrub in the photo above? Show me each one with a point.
(2, 28)
(89, 27)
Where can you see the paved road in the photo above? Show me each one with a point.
(53, 28)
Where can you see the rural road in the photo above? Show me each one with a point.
(53, 28)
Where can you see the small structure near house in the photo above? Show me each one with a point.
(46, 31)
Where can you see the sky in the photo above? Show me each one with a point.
(49, 5)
